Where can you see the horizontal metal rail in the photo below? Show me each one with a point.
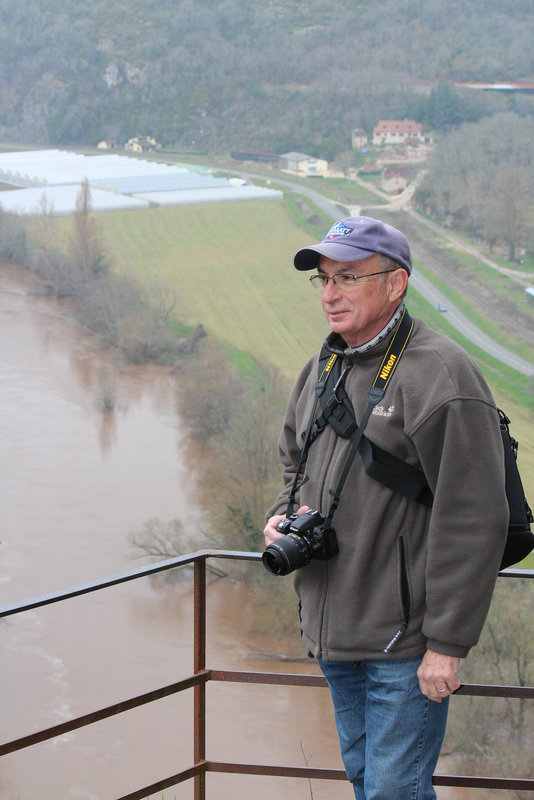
(162, 566)
(104, 713)
(124, 577)
(265, 678)
(202, 676)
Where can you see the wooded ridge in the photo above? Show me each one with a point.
(277, 76)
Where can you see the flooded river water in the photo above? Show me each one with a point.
(74, 483)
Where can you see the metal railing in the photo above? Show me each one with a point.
(201, 675)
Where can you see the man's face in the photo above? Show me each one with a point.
(359, 312)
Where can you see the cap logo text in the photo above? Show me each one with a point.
(340, 229)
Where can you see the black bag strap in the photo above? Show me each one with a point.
(384, 467)
(396, 474)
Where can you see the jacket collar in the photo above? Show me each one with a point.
(336, 344)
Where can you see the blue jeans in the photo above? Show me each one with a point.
(389, 733)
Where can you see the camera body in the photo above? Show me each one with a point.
(305, 539)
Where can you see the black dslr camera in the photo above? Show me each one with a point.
(306, 539)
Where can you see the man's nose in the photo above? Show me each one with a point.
(331, 291)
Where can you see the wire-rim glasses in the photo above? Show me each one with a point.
(343, 280)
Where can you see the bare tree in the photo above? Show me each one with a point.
(498, 734)
(87, 249)
(238, 422)
(246, 472)
(13, 237)
(511, 205)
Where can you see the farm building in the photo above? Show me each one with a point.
(303, 164)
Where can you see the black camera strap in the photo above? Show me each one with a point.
(355, 432)
(309, 435)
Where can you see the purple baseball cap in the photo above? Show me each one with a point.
(354, 238)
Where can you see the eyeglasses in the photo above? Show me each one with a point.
(343, 280)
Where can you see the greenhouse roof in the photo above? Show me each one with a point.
(51, 179)
(61, 200)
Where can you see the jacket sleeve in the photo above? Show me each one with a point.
(290, 441)
(461, 453)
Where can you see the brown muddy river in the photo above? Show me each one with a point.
(74, 483)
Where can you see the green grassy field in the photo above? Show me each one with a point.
(230, 266)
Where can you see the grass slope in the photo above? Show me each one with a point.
(231, 269)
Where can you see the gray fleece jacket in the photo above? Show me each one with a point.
(406, 578)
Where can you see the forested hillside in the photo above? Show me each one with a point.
(481, 180)
(273, 76)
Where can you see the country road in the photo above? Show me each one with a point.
(467, 328)
(422, 285)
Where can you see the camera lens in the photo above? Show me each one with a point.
(286, 554)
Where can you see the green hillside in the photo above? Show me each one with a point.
(231, 270)
(245, 74)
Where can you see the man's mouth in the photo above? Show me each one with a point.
(338, 312)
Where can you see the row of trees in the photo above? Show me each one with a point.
(141, 325)
(480, 179)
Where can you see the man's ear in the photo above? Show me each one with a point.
(398, 283)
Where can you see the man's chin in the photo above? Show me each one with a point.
(345, 331)
(338, 325)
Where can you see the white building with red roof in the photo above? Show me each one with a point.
(394, 131)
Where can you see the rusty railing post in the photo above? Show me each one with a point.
(199, 702)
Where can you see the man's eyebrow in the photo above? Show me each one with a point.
(348, 269)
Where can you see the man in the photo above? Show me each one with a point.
(390, 616)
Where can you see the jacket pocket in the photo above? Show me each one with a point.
(404, 591)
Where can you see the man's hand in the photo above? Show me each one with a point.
(438, 675)
(270, 533)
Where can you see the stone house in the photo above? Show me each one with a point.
(358, 138)
(142, 144)
(395, 179)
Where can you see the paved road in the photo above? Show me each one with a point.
(419, 282)
(466, 327)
